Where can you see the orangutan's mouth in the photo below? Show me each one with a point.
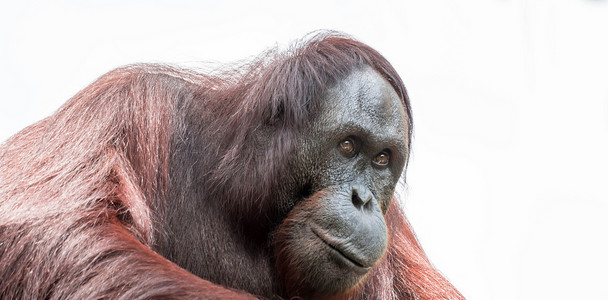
(342, 256)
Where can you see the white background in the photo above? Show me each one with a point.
(507, 184)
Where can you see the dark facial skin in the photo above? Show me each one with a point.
(353, 155)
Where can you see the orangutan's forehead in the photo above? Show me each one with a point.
(365, 98)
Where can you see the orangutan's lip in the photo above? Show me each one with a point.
(333, 244)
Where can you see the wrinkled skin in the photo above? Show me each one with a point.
(334, 235)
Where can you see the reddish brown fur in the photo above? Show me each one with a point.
(81, 192)
(66, 184)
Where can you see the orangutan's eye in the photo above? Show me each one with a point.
(348, 148)
(382, 159)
